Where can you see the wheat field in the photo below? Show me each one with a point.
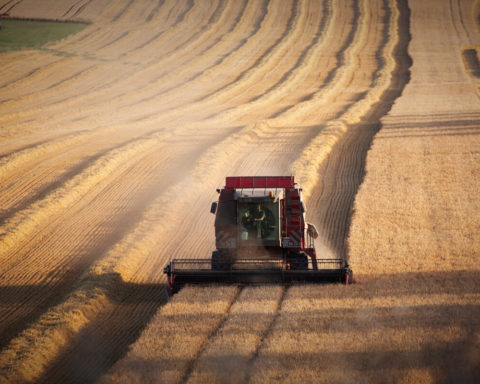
(114, 139)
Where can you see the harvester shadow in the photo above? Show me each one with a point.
(381, 364)
(417, 304)
(107, 338)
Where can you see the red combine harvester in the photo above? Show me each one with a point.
(261, 237)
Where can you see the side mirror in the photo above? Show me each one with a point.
(213, 208)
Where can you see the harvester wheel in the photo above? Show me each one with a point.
(219, 262)
(348, 277)
(299, 261)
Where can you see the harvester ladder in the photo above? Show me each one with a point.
(294, 216)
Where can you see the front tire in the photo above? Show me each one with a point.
(220, 262)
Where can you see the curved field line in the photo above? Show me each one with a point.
(132, 250)
(240, 84)
(10, 6)
(12, 162)
(269, 58)
(86, 39)
(121, 46)
(172, 22)
(30, 112)
(306, 167)
(59, 105)
(17, 228)
(344, 168)
(250, 76)
(341, 76)
(39, 280)
(13, 61)
(265, 63)
(92, 294)
(235, 28)
(101, 35)
(36, 188)
(183, 22)
(79, 5)
(301, 68)
(122, 260)
(34, 96)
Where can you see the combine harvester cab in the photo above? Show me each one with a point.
(261, 237)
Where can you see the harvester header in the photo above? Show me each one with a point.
(261, 236)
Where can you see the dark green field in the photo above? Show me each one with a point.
(19, 34)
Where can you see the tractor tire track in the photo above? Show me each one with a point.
(250, 316)
(266, 335)
(210, 337)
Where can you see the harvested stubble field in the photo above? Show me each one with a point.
(114, 139)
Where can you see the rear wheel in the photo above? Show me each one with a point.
(348, 277)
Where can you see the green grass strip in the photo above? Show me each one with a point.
(20, 34)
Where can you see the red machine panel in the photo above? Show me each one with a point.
(260, 182)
